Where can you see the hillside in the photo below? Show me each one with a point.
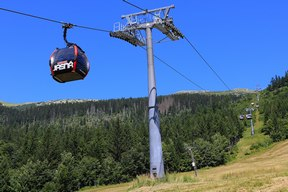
(253, 170)
(65, 146)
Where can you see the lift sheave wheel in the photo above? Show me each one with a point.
(69, 64)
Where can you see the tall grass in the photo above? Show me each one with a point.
(145, 180)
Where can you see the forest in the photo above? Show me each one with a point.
(274, 110)
(64, 147)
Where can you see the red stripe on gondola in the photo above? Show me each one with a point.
(52, 72)
(51, 67)
(75, 60)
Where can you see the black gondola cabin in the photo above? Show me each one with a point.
(69, 64)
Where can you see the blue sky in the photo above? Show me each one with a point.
(246, 43)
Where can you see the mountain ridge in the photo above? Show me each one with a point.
(63, 101)
(49, 102)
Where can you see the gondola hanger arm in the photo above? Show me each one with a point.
(66, 26)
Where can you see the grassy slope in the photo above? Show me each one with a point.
(259, 169)
(244, 145)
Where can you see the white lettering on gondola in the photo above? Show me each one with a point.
(63, 65)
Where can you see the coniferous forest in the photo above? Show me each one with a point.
(64, 147)
(275, 105)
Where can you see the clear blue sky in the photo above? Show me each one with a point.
(246, 42)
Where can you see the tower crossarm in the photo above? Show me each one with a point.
(128, 36)
(168, 28)
(155, 18)
(160, 12)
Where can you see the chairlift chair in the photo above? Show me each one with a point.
(248, 116)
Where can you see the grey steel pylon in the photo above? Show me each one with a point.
(131, 32)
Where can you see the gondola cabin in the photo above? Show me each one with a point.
(69, 64)
(241, 117)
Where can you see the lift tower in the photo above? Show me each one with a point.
(131, 32)
(249, 110)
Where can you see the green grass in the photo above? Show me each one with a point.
(175, 178)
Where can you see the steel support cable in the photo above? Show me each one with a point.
(199, 54)
(108, 31)
(161, 60)
(52, 20)
(218, 76)
(133, 5)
